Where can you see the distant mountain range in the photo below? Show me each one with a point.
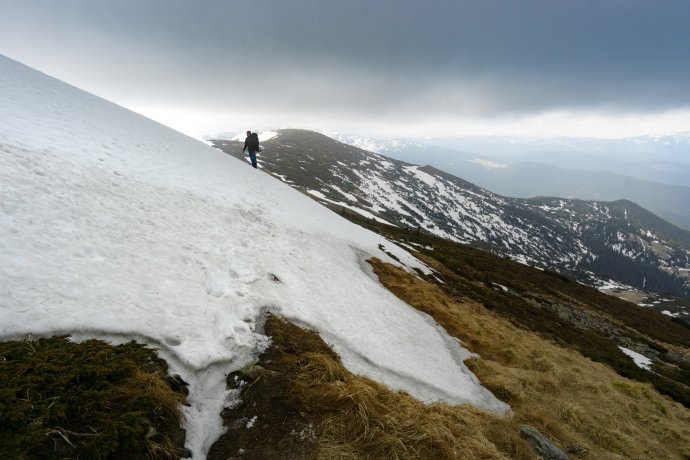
(653, 172)
(592, 240)
(663, 159)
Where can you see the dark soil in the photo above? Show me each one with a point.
(272, 422)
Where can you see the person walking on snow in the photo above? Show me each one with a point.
(251, 144)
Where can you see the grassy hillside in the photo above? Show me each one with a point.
(559, 309)
(300, 402)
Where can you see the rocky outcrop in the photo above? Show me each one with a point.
(542, 445)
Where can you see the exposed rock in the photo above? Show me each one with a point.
(638, 346)
(583, 320)
(577, 317)
(253, 372)
(541, 444)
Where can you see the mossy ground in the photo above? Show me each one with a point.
(87, 400)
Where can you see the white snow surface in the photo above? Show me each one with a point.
(668, 313)
(113, 226)
(641, 361)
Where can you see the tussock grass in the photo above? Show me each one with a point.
(356, 417)
(363, 419)
(569, 398)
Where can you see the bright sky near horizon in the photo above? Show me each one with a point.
(398, 68)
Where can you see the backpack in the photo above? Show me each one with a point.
(254, 142)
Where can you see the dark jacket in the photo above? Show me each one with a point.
(251, 143)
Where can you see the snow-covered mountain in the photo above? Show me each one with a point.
(385, 147)
(115, 227)
(593, 240)
(525, 180)
(662, 159)
(652, 171)
(615, 155)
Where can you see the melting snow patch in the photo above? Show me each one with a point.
(488, 164)
(349, 196)
(520, 258)
(283, 178)
(421, 175)
(501, 287)
(611, 285)
(266, 135)
(640, 360)
(668, 313)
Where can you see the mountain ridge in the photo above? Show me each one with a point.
(523, 175)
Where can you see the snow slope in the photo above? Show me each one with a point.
(116, 227)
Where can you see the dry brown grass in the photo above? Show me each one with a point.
(571, 399)
(153, 386)
(363, 419)
(356, 417)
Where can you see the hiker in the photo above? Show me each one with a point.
(251, 144)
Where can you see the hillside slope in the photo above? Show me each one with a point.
(594, 241)
(115, 227)
(538, 334)
(112, 226)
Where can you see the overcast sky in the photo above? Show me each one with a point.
(605, 68)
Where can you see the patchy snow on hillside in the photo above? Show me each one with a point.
(113, 226)
(608, 285)
(356, 209)
(488, 164)
(668, 313)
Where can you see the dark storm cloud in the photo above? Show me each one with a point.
(511, 55)
(484, 57)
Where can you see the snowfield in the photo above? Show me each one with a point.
(115, 227)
